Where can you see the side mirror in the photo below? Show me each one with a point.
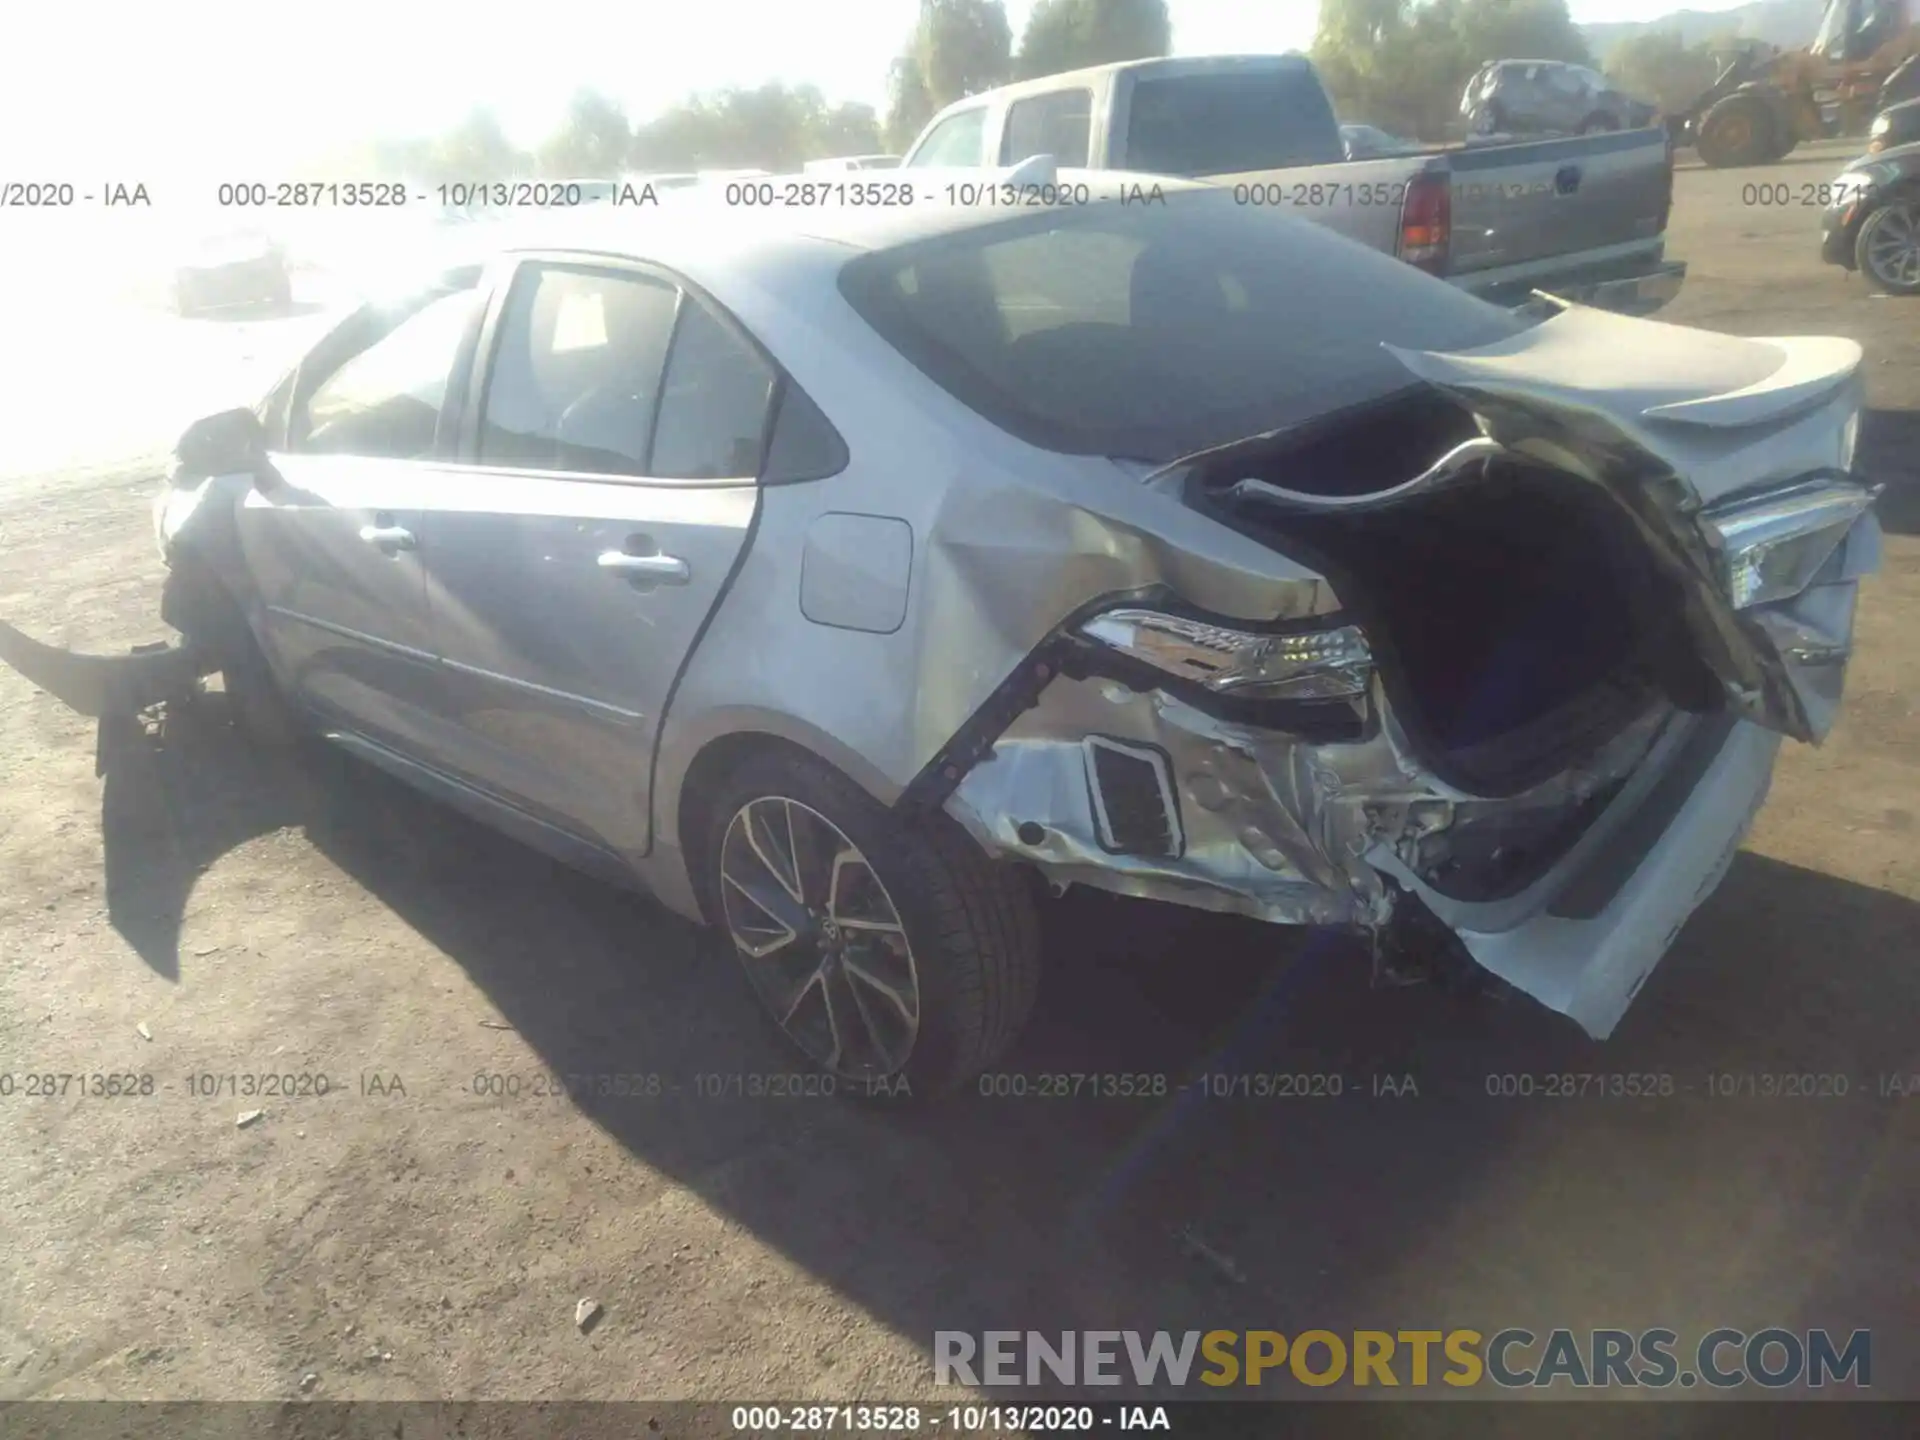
(232, 442)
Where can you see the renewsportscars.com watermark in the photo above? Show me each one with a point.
(1722, 1359)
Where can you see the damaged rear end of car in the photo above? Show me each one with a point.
(1555, 600)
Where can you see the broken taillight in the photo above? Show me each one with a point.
(1772, 546)
(1426, 223)
(1328, 664)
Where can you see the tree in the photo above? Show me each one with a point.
(909, 106)
(1068, 34)
(593, 141)
(1517, 30)
(476, 149)
(771, 127)
(963, 47)
(1660, 67)
(846, 129)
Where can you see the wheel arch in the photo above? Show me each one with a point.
(209, 588)
(695, 761)
(1905, 196)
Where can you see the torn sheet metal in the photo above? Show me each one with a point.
(1589, 964)
(1691, 430)
(1268, 827)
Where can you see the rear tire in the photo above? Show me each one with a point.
(886, 950)
(1739, 130)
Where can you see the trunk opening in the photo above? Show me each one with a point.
(1518, 619)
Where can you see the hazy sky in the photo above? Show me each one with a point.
(122, 90)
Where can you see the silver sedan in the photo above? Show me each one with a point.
(852, 578)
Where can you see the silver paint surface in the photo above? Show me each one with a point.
(856, 572)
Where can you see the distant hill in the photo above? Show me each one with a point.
(1786, 23)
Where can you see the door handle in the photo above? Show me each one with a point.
(387, 537)
(661, 569)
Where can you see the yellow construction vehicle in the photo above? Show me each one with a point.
(1767, 101)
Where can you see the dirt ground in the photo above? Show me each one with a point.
(201, 914)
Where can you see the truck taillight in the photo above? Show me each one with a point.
(1426, 223)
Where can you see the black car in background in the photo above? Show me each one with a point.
(1548, 97)
(1873, 224)
(232, 268)
(1895, 126)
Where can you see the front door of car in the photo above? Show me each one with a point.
(334, 548)
(611, 445)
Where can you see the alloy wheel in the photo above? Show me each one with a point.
(821, 939)
(1893, 250)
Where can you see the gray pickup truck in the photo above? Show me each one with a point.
(1583, 217)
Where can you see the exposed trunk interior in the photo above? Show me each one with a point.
(1518, 619)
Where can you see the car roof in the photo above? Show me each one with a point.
(686, 224)
(776, 269)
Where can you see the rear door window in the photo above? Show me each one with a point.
(577, 370)
(713, 409)
(1059, 125)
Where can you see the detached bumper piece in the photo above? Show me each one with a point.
(105, 685)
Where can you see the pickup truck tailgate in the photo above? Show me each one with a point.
(1534, 201)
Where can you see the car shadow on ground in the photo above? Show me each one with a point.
(1889, 452)
(1420, 1195)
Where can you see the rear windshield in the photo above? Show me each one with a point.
(1152, 331)
(1229, 123)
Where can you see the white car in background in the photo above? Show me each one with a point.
(233, 266)
(841, 164)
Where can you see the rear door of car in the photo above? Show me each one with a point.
(334, 551)
(610, 443)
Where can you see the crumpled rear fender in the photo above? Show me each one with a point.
(1265, 824)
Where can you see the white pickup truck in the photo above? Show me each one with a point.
(1583, 218)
